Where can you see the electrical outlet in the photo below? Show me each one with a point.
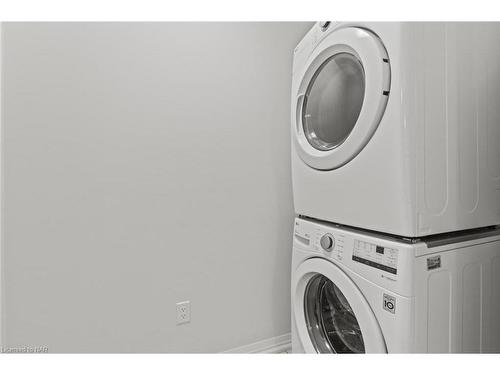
(183, 312)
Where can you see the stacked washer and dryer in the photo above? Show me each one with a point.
(396, 183)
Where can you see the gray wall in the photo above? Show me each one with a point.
(146, 164)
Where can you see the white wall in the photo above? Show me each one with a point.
(146, 164)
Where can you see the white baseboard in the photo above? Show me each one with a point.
(278, 344)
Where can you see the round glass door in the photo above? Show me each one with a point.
(339, 97)
(330, 319)
(333, 101)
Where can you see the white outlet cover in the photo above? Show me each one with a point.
(183, 312)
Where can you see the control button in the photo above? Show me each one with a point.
(327, 242)
(324, 25)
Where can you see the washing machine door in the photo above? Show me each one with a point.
(341, 97)
(332, 315)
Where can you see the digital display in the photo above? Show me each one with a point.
(383, 258)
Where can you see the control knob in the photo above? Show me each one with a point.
(327, 242)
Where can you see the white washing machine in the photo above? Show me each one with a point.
(358, 292)
(396, 126)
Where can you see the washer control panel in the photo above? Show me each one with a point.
(383, 258)
(385, 261)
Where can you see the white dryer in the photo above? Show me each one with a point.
(396, 126)
(356, 292)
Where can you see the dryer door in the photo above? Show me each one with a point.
(332, 316)
(341, 97)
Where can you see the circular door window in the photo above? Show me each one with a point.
(331, 314)
(333, 101)
(339, 97)
(330, 319)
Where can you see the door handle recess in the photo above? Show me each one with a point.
(298, 112)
